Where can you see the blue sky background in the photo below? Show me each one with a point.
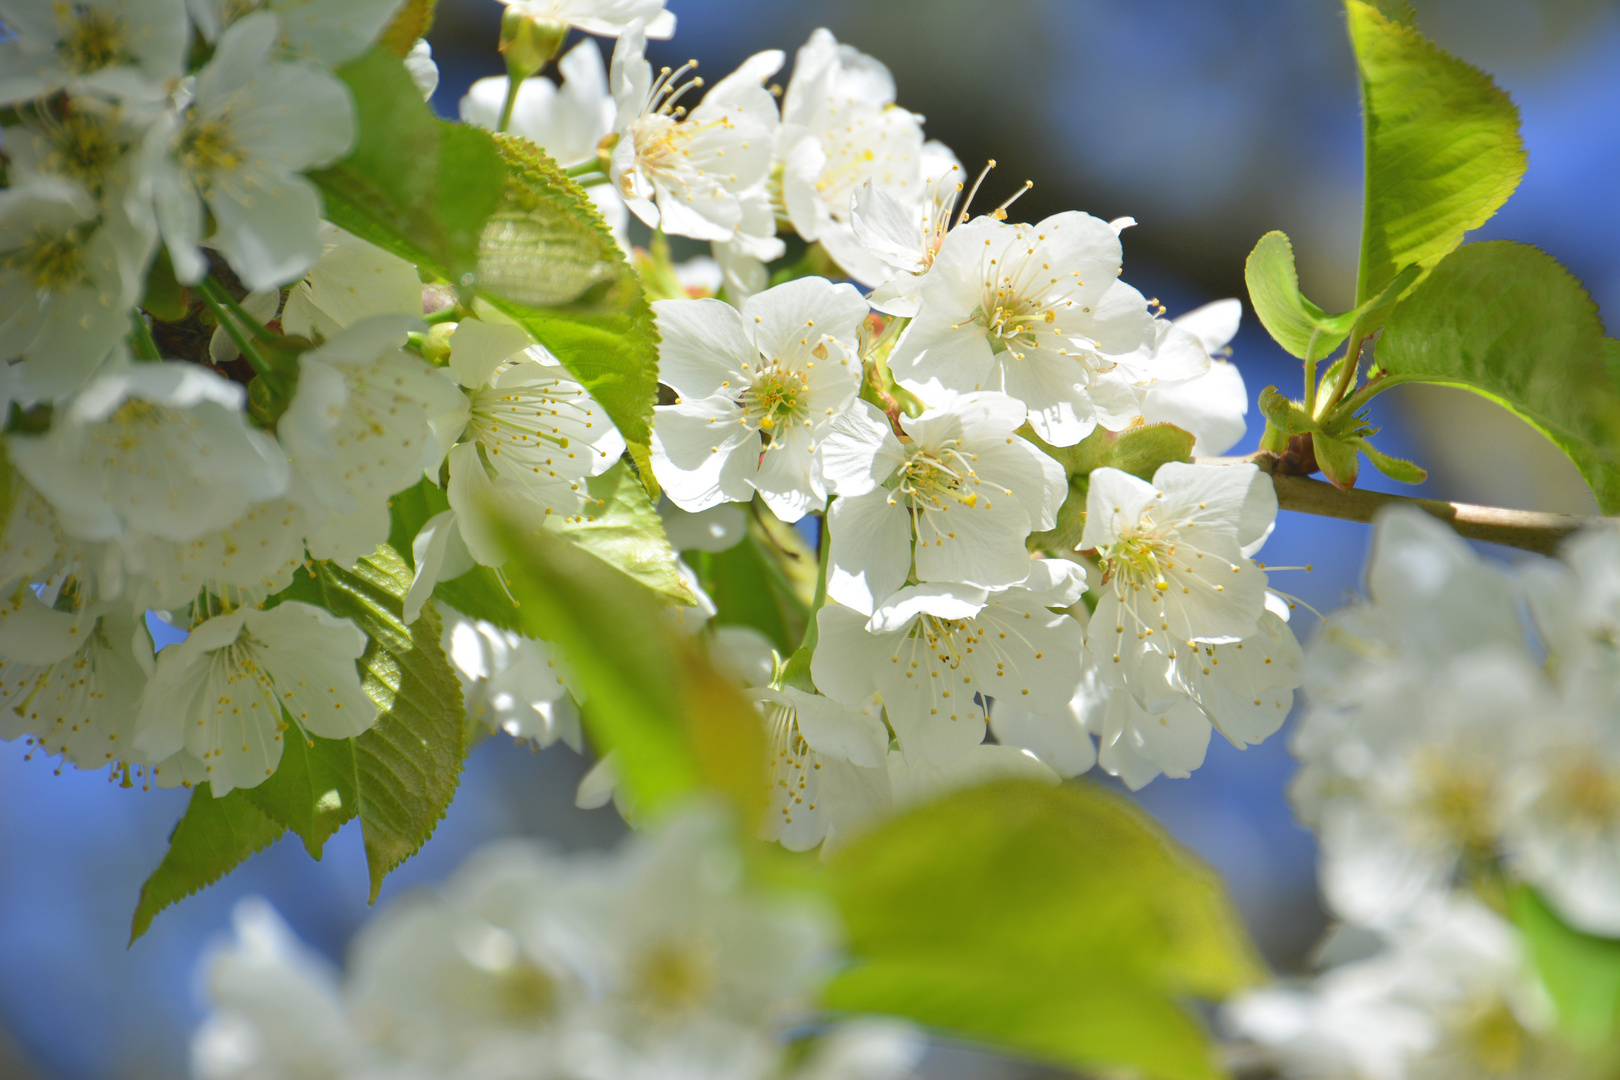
(1208, 123)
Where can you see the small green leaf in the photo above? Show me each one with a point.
(1141, 450)
(1508, 322)
(414, 184)
(1398, 469)
(621, 528)
(1060, 923)
(548, 261)
(1337, 459)
(165, 298)
(1580, 971)
(649, 694)
(1283, 414)
(1296, 324)
(745, 593)
(413, 20)
(1443, 150)
(314, 789)
(211, 840)
(1064, 536)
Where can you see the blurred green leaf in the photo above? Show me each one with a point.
(1296, 324)
(548, 261)
(414, 184)
(413, 20)
(1508, 322)
(622, 529)
(1059, 923)
(1443, 150)
(649, 694)
(1580, 971)
(211, 840)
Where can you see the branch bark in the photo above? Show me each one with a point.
(1528, 530)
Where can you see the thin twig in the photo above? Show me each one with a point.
(1528, 530)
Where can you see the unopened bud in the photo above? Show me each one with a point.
(527, 43)
(604, 151)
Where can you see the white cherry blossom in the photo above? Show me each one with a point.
(1211, 406)
(758, 391)
(353, 279)
(278, 1010)
(533, 430)
(903, 228)
(936, 653)
(241, 563)
(228, 694)
(1037, 312)
(1176, 566)
(513, 684)
(841, 129)
(827, 770)
(71, 683)
(963, 486)
(253, 124)
(361, 426)
(609, 18)
(316, 31)
(682, 171)
(68, 279)
(121, 49)
(154, 449)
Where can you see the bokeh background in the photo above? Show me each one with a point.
(1208, 123)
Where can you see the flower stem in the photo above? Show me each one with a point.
(584, 168)
(243, 341)
(246, 318)
(514, 79)
(145, 347)
(452, 313)
(593, 179)
(1527, 530)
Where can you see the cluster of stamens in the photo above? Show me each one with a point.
(792, 762)
(936, 477)
(92, 38)
(776, 399)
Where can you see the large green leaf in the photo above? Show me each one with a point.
(549, 262)
(1443, 150)
(414, 184)
(408, 764)
(1508, 322)
(210, 841)
(1296, 324)
(649, 694)
(1059, 923)
(1581, 973)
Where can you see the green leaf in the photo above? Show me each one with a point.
(1337, 459)
(1580, 971)
(623, 529)
(549, 262)
(408, 764)
(1285, 415)
(1399, 469)
(1296, 324)
(211, 840)
(314, 789)
(1060, 923)
(1443, 150)
(1141, 450)
(649, 694)
(745, 593)
(414, 184)
(1508, 322)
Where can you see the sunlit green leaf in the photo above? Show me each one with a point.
(210, 841)
(1508, 322)
(1296, 324)
(620, 527)
(414, 184)
(1443, 150)
(1059, 923)
(314, 789)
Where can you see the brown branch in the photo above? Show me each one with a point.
(1528, 530)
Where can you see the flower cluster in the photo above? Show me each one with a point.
(197, 488)
(656, 961)
(1451, 749)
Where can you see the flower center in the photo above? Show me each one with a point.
(206, 145)
(85, 147)
(792, 761)
(778, 397)
(932, 478)
(1138, 559)
(92, 38)
(674, 976)
(525, 994)
(1589, 794)
(1457, 798)
(55, 263)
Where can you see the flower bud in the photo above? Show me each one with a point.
(529, 43)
